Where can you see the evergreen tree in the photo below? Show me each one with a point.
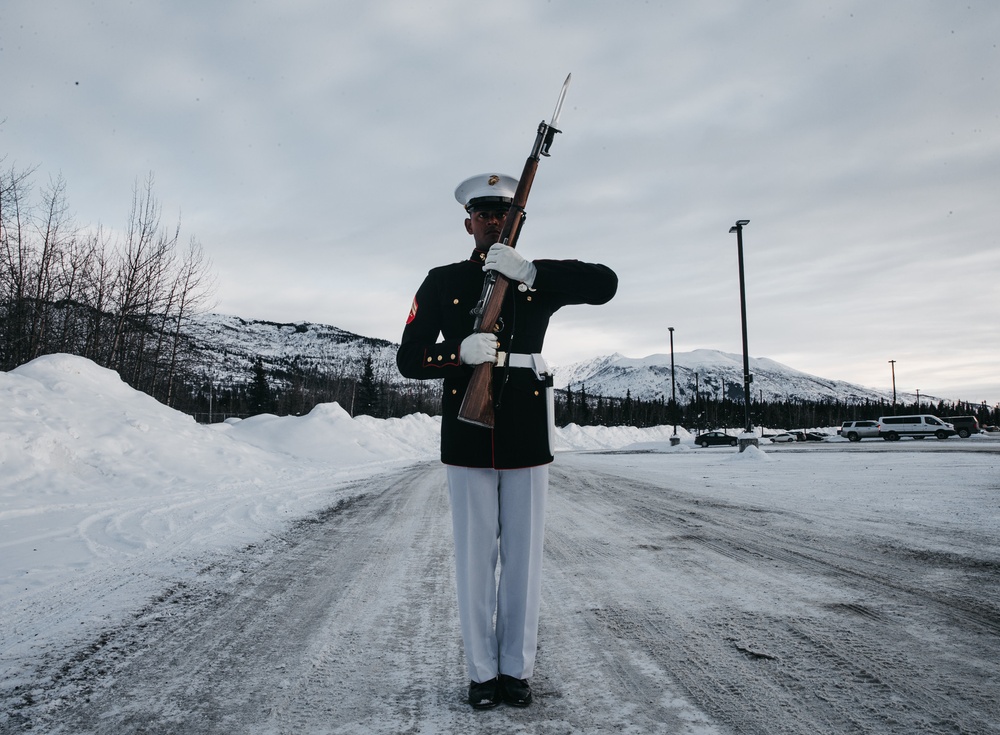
(366, 401)
(583, 414)
(627, 408)
(260, 398)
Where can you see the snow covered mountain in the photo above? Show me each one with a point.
(715, 374)
(228, 347)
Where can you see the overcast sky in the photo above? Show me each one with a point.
(313, 148)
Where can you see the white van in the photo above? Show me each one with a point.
(891, 428)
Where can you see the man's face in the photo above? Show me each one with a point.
(485, 225)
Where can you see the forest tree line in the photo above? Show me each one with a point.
(377, 392)
(362, 387)
(706, 413)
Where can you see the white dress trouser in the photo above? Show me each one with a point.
(498, 514)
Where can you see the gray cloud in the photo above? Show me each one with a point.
(313, 148)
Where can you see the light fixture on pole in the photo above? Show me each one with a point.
(747, 377)
(674, 439)
(893, 363)
(918, 400)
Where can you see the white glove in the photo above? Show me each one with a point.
(508, 261)
(478, 347)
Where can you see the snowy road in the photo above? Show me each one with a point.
(691, 600)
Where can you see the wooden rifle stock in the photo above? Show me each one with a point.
(477, 404)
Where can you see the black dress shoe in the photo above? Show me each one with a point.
(484, 694)
(515, 692)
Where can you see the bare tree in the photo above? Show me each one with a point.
(75, 265)
(192, 285)
(96, 296)
(142, 260)
(51, 234)
(15, 264)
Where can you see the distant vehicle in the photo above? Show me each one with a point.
(966, 426)
(855, 431)
(715, 439)
(783, 437)
(807, 436)
(891, 428)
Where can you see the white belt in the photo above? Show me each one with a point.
(533, 361)
(536, 363)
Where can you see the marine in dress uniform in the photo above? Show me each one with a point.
(497, 478)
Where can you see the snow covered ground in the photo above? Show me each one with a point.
(108, 497)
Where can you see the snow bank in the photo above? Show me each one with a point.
(575, 437)
(68, 426)
(751, 454)
(329, 434)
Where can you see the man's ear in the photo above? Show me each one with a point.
(468, 226)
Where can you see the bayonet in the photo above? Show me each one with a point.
(559, 103)
(547, 132)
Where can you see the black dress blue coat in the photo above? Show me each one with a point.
(441, 308)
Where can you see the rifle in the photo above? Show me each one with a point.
(477, 404)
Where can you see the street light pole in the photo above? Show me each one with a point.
(674, 440)
(893, 364)
(747, 377)
(697, 405)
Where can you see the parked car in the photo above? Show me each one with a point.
(800, 435)
(783, 437)
(966, 426)
(891, 428)
(855, 431)
(715, 439)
